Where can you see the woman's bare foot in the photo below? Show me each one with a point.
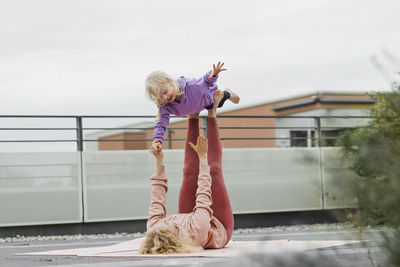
(194, 116)
(234, 97)
(218, 95)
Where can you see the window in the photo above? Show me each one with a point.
(329, 138)
(310, 138)
(298, 138)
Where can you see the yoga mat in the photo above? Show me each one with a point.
(129, 249)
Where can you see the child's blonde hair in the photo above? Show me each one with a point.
(164, 241)
(154, 82)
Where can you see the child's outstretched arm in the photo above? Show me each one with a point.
(211, 77)
(160, 128)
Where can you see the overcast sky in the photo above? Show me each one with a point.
(91, 57)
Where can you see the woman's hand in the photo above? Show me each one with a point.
(217, 69)
(201, 147)
(159, 156)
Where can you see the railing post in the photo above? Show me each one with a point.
(205, 124)
(79, 134)
(79, 145)
(321, 160)
(169, 139)
(318, 129)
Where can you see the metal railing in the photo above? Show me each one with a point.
(79, 129)
(88, 180)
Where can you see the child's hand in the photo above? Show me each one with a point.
(201, 147)
(155, 148)
(217, 69)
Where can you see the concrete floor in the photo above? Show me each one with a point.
(347, 255)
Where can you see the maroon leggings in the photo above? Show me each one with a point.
(187, 196)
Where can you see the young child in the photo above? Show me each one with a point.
(182, 97)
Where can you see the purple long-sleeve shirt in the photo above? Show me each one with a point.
(198, 94)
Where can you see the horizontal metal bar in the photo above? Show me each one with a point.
(130, 140)
(172, 128)
(38, 116)
(148, 128)
(268, 138)
(266, 127)
(251, 127)
(173, 139)
(342, 127)
(183, 139)
(33, 129)
(34, 141)
(294, 117)
(177, 128)
(122, 116)
(230, 116)
(185, 128)
(152, 116)
(117, 128)
(233, 127)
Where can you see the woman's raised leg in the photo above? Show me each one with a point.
(221, 205)
(187, 194)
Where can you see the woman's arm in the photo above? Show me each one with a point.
(202, 209)
(159, 188)
(213, 232)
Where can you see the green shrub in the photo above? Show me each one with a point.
(374, 155)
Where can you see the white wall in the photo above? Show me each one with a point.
(46, 188)
(40, 188)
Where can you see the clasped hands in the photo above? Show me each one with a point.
(201, 148)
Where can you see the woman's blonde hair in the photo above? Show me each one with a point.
(154, 82)
(164, 241)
